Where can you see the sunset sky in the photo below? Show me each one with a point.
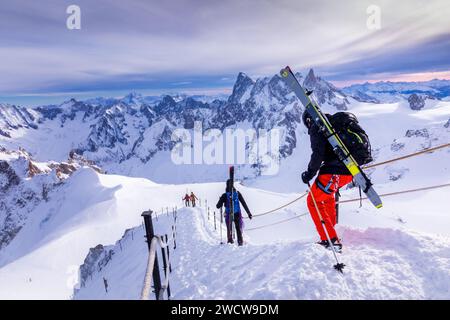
(199, 46)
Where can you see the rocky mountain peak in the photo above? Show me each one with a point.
(133, 98)
(242, 85)
(325, 92)
(310, 82)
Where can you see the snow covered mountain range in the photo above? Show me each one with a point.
(136, 131)
(55, 194)
(386, 91)
(133, 135)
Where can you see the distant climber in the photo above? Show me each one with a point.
(232, 199)
(105, 283)
(193, 198)
(187, 200)
(333, 175)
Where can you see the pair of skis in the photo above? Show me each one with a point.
(231, 218)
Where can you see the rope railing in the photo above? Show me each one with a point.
(278, 222)
(398, 193)
(357, 199)
(279, 208)
(411, 155)
(145, 294)
(152, 270)
(427, 150)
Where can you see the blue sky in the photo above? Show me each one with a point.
(199, 46)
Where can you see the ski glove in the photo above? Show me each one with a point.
(306, 177)
(250, 216)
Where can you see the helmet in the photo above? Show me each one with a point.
(307, 119)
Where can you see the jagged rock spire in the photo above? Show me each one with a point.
(242, 84)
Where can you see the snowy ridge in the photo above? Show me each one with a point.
(13, 117)
(25, 184)
(381, 264)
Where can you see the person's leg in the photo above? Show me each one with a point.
(322, 197)
(339, 181)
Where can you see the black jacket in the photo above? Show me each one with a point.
(223, 199)
(323, 158)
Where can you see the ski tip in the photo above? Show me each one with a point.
(285, 72)
(379, 206)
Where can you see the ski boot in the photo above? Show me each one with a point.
(323, 243)
(336, 244)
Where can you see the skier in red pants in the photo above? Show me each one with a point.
(333, 175)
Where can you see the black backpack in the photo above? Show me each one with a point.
(353, 136)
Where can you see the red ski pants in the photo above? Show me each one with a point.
(324, 190)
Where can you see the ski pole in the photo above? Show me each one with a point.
(338, 266)
(221, 221)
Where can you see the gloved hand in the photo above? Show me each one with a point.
(250, 216)
(306, 177)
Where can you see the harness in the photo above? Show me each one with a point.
(325, 188)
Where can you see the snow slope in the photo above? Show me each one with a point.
(91, 209)
(381, 263)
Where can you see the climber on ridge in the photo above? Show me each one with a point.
(187, 200)
(193, 198)
(333, 175)
(234, 198)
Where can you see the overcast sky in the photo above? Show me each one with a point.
(200, 46)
